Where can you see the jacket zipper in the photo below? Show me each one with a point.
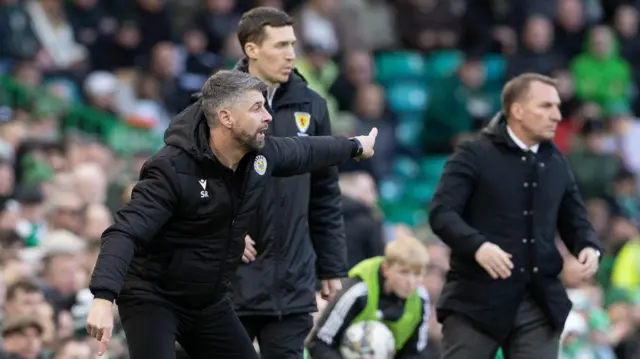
(235, 206)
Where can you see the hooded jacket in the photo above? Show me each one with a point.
(298, 228)
(181, 236)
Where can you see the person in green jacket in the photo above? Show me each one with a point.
(600, 73)
(386, 289)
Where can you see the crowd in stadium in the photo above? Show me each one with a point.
(87, 87)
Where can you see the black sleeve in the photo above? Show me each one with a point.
(449, 200)
(298, 155)
(573, 224)
(324, 340)
(416, 346)
(152, 202)
(326, 226)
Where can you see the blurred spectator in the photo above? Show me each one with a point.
(536, 53)
(475, 102)
(22, 337)
(100, 88)
(570, 28)
(64, 211)
(594, 169)
(319, 25)
(374, 22)
(73, 349)
(429, 24)
(151, 18)
(357, 71)
(600, 73)
(571, 110)
(363, 225)
(218, 20)
(94, 28)
(55, 34)
(369, 108)
(18, 39)
(626, 27)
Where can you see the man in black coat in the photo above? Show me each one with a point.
(174, 248)
(297, 235)
(501, 200)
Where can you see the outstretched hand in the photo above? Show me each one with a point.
(368, 142)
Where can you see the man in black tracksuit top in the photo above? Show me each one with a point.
(174, 248)
(298, 230)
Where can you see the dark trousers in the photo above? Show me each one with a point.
(279, 338)
(531, 338)
(216, 332)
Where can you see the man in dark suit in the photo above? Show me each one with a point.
(501, 200)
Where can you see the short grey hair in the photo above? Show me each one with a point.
(223, 89)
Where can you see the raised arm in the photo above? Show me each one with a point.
(326, 226)
(151, 205)
(297, 155)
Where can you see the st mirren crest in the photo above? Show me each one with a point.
(260, 165)
(303, 119)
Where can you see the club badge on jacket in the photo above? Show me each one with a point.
(303, 120)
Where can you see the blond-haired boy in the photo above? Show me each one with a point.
(387, 289)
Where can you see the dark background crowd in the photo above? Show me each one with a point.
(88, 86)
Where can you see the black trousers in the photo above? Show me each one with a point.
(531, 338)
(279, 338)
(216, 332)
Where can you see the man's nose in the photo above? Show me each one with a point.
(267, 117)
(556, 116)
(291, 54)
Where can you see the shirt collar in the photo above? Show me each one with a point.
(521, 144)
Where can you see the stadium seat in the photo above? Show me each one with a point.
(406, 167)
(394, 66)
(409, 134)
(412, 214)
(431, 166)
(391, 189)
(408, 97)
(420, 190)
(444, 63)
(495, 67)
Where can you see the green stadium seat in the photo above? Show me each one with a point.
(408, 97)
(391, 189)
(444, 63)
(431, 166)
(420, 191)
(409, 134)
(412, 214)
(495, 66)
(394, 66)
(406, 167)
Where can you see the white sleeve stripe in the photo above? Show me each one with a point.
(423, 331)
(332, 325)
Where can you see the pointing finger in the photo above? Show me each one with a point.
(374, 132)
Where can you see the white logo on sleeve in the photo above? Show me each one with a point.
(204, 193)
(260, 165)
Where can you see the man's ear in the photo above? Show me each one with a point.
(224, 116)
(251, 49)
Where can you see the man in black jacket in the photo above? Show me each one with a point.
(297, 234)
(174, 247)
(500, 201)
